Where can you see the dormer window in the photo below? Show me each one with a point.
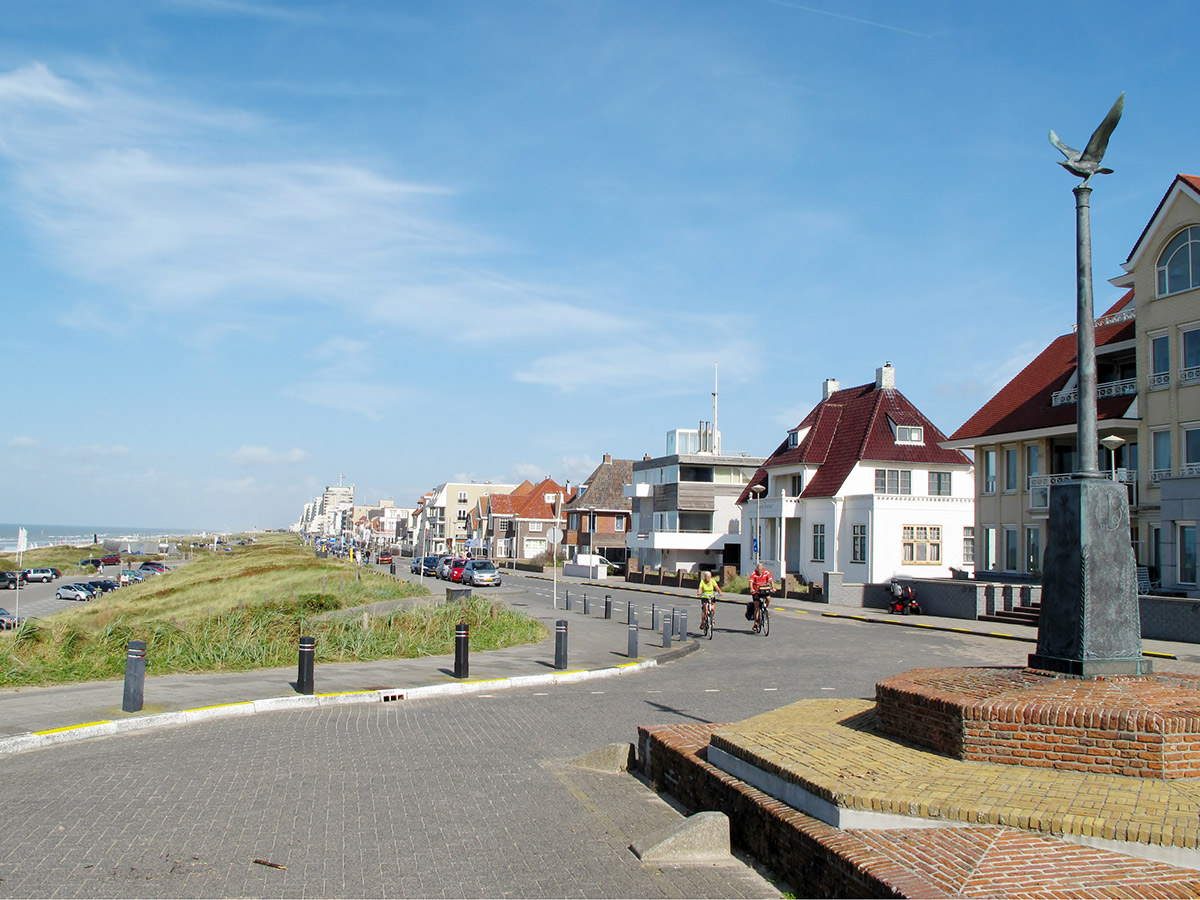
(910, 434)
(1178, 266)
(793, 439)
(550, 498)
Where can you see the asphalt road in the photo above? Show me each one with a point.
(465, 796)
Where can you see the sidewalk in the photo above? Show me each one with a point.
(596, 648)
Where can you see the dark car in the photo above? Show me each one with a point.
(8, 620)
(95, 563)
(430, 565)
(156, 567)
(103, 585)
(9, 580)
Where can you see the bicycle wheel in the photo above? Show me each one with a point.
(711, 624)
(766, 620)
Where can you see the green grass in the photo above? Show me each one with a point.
(246, 610)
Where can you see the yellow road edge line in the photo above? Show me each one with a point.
(999, 634)
(219, 706)
(1159, 655)
(483, 681)
(345, 693)
(624, 665)
(72, 727)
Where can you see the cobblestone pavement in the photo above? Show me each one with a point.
(457, 797)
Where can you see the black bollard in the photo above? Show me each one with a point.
(393, 568)
(666, 635)
(587, 606)
(304, 674)
(683, 625)
(675, 620)
(608, 606)
(560, 644)
(568, 600)
(135, 676)
(462, 650)
(632, 652)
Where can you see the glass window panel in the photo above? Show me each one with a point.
(1160, 352)
(1187, 554)
(1191, 349)
(905, 481)
(1191, 446)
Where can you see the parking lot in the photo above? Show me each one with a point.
(37, 601)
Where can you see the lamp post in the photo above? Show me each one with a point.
(757, 490)
(1111, 443)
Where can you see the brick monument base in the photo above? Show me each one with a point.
(1145, 726)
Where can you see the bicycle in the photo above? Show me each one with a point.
(707, 622)
(764, 614)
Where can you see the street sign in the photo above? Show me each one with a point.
(755, 545)
(555, 534)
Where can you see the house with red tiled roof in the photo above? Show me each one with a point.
(517, 525)
(861, 486)
(599, 515)
(1148, 410)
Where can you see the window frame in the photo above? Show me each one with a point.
(910, 434)
(1181, 548)
(903, 482)
(1012, 477)
(918, 540)
(968, 545)
(987, 484)
(818, 542)
(1185, 239)
(936, 477)
(858, 543)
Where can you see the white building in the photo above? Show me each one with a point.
(861, 487)
(685, 514)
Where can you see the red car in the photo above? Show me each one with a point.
(385, 559)
(456, 569)
(111, 559)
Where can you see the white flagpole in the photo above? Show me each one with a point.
(22, 542)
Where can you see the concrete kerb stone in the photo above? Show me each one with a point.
(85, 731)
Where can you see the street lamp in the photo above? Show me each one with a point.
(1111, 443)
(757, 490)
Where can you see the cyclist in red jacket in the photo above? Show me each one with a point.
(761, 587)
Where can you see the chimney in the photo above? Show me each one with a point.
(607, 458)
(647, 458)
(829, 387)
(885, 378)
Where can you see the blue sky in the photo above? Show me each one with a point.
(250, 246)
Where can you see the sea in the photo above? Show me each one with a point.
(50, 535)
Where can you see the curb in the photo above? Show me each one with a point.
(38, 740)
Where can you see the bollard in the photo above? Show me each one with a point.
(683, 633)
(631, 614)
(666, 635)
(608, 606)
(462, 650)
(135, 676)
(675, 620)
(568, 600)
(655, 617)
(304, 675)
(587, 606)
(393, 568)
(632, 652)
(560, 644)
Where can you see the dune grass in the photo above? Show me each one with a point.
(245, 610)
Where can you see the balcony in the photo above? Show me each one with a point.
(638, 490)
(1039, 486)
(1107, 389)
(1157, 475)
(1160, 380)
(1190, 375)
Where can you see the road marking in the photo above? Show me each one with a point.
(828, 689)
(485, 696)
(653, 692)
(541, 694)
(712, 690)
(597, 692)
(770, 689)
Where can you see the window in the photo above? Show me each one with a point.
(1178, 267)
(462, 496)
(1160, 361)
(969, 545)
(619, 523)
(535, 526)
(939, 484)
(1010, 469)
(989, 471)
(1191, 448)
(818, 547)
(1187, 553)
(989, 547)
(893, 481)
(858, 543)
(921, 544)
(462, 515)
(910, 434)
(1011, 549)
(1160, 449)
(1191, 353)
(793, 439)
(1033, 460)
(797, 484)
(1033, 549)
(573, 521)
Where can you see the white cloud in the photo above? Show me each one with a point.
(577, 467)
(265, 456)
(22, 442)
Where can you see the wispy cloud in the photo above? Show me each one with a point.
(22, 442)
(845, 18)
(265, 456)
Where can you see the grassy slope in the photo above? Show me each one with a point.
(245, 610)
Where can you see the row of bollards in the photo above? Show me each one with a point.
(673, 628)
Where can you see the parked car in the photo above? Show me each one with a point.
(443, 567)
(43, 575)
(103, 585)
(8, 620)
(74, 592)
(430, 565)
(129, 576)
(455, 569)
(385, 559)
(57, 573)
(415, 566)
(111, 559)
(480, 571)
(155, 568)
(9, 580)
(95, 563)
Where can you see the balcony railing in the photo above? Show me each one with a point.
(1190, 470)
(1157, 475)
(1189, 375)
(1160, 380)
(1108, 389)
(1039, 486)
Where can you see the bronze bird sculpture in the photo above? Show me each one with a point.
(1087, 163)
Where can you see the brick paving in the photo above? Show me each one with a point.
(833, 750)
(972, 861)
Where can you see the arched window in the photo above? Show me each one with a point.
(1178, 267)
